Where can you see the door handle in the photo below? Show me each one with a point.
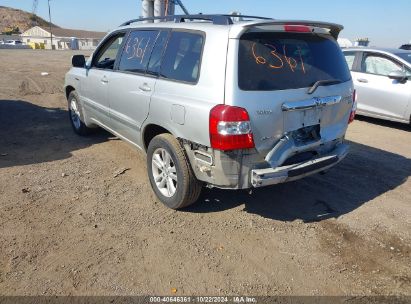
(145, 88)
(104, 79)
(362, 80)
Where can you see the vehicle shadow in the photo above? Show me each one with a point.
(384, 123)
(365, 174)
(31, 134)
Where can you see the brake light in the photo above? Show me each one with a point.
(230, 128)
(297, 28)
(354, 107)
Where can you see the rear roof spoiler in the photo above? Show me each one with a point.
(239, 28)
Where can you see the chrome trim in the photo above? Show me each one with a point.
(270, 176)
(310, 103)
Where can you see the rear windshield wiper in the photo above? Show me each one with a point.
(322, 83)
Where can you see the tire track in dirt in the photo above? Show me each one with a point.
(378, 255)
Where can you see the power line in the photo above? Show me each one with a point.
(34, 7)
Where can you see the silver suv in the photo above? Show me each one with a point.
(217, 100)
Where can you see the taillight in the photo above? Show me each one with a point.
(230, 128)
(354, 107)
(297, 28)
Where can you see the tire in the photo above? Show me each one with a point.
(171, 177)
(76, 115)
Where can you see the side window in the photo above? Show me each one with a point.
(182, 57)
(349, 57)
(157, 53)
(379, 65)
(137, 50)
(106, 56)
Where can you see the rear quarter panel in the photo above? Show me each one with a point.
(193, 101)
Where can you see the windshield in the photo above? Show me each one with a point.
(405, 56)
(279, 61)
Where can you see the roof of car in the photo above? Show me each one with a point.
(192, 25)
(377, 49)
(395, 53)
(223, 23)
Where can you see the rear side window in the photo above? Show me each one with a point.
(280, 61)
(158, 50)
(182, 57)
(137, 51)
(349, 58)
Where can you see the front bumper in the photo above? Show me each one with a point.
(270, 176)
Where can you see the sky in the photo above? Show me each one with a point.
(385, 23)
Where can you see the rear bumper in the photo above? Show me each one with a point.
(270, 176)
(244, 169)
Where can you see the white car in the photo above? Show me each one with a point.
(13, 42)
(382, 80)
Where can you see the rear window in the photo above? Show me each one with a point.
(281, 61)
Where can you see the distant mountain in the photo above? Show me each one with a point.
(12, 19)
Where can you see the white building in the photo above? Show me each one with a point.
(62, 38)
(344, 42)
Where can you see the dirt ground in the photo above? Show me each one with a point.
(70, 224)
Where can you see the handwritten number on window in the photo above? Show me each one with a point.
(136, 48)
(276, 60)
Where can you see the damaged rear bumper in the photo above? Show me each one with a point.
(270, 176)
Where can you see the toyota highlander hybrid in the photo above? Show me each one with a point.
(217, 102)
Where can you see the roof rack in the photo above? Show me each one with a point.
(215, 19)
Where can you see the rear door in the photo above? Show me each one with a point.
(272, 77)
(379, 95)
(132, 86)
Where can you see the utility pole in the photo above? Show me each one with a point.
(51, 33)
(182, 6)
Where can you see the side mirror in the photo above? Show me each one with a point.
(78, 61)
(398, 75)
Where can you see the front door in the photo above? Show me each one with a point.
(95, 87)
(379, 95)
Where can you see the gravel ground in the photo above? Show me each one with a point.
(78, 217)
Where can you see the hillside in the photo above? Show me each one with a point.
(15, 18)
